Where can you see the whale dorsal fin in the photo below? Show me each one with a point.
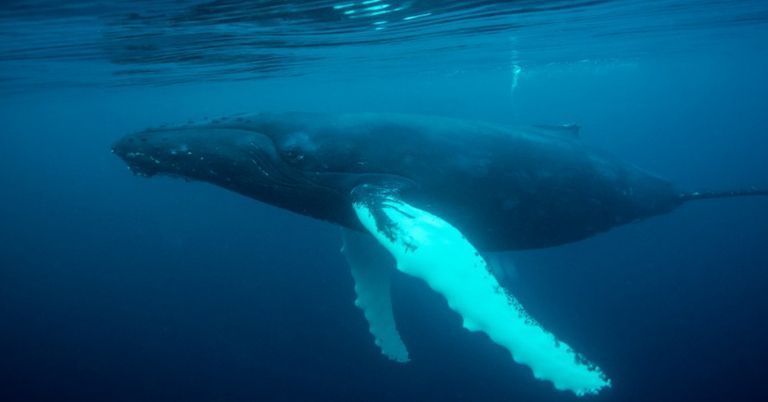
(570, 130)
(427, 247)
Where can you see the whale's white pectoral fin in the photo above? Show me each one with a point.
(371, 269)
(429, 248)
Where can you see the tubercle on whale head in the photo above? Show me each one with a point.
(134, 154)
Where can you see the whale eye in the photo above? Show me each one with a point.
(298, 149)
(293, 155)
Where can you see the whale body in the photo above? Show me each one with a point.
(434, 192)
(505, 188)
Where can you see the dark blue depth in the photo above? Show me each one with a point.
(118, 288)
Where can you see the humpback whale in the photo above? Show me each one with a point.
(434, 193)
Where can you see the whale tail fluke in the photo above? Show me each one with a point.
(704, 195)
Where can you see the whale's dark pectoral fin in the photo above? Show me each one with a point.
(427, 247)
(371, 269)
(501, 266)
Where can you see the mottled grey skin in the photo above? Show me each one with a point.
(504, 188)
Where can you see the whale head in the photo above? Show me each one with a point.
(205, 151)
(272, 150)
(272, 158)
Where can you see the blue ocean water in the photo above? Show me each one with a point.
(119, 288)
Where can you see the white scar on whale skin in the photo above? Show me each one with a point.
(429, 248)
(370, 267)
